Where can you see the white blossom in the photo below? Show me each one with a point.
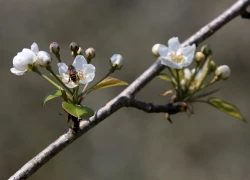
(24, 59)
(116, 61)
(223, 71)
(85, 72)
(176, 56)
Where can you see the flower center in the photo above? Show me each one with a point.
(177, 58)
(81, 75)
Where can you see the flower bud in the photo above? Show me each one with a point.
(212, 66)
(223, 72)
(116, 61)
(74, 47)
(199, 57)
(187, 73)
(43, 58)
(79, 52)
(155, 49)
(54, 48)
(90, 54)
(206, 50)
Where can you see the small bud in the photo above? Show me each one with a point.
(199, 57)
(43, 58)
(116, 61)
(74, 47)
(54, 48)
(206, 50)
(187, 73)
(223, 72)
(155, 49)
(183, 84)
(79, 52)
(212, 66)
(90, 53)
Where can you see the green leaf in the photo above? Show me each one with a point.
(78, 111)
(164, 77)
(109, 82)
(226, 107)
(52, 95)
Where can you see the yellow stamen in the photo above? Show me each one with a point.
(81, 75)
(177, 58)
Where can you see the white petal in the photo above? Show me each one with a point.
(79, 61)
(19, 63)
(89, 72)
(174, 44)
(34, 48)
(17, 72)
(188, 52)
(171, 64)
(28, 54)
(163, 50)
(63, 68)
(186, 62)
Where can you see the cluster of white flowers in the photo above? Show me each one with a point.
(29, 57)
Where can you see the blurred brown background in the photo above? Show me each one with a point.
(130, 144)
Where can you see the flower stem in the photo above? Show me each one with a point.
(76, 94)
(201, 88)
(178, 84)
(58, 79)
(46, 78)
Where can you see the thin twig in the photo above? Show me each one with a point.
(122, 99)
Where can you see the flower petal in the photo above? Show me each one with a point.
(170, 63)
(34, 48)
(79, 61)
(29, 55)
(17, 72)
(174, 44)
(89, 72)
(189, 51)
(163, 50)
(63, 68)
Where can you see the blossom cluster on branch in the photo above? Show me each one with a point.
(70, 78)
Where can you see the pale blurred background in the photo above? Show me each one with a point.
(130, 144)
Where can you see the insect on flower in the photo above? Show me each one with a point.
(80, 72)
(73, 75)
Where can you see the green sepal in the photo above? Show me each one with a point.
(109, 82)
(52, 95)
(164, 77)
(79, 111)
(226, 107)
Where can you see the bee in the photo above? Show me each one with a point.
(73, 75)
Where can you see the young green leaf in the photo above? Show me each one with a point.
(109, 82)
(164, 77)
(226, 107)
(51, 95)
(78, 111)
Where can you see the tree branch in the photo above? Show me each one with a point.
(123, 98)
(170, 108)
